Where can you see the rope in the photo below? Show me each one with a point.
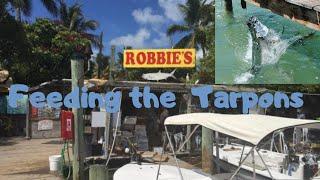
(62, 153)
(69, 173)
(283, 143)
(65, 145)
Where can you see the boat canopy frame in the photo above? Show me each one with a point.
(252, 128)
(249, 120)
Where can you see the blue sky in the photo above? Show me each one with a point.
(137, 23)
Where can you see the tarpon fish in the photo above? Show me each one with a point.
(261, 36)
(258, 32)
(158, 76)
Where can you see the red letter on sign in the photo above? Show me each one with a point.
(141, 58)
(161, 57)
(175, 59)
(188, 57)
(151, 58)
(129, 58)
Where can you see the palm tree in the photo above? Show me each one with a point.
(198, 15)
(73, 18)
(25, 7)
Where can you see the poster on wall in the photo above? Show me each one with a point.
(45, 125)
(21, 106)
(98, 119)
(48, 112)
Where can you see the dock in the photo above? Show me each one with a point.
(305, 12)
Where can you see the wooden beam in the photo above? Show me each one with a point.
(305, 12)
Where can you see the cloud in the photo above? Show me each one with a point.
(137, 40)
(153, 37)
(145, 16)
(162, 41)
(171, 10)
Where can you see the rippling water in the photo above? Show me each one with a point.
(286, 62)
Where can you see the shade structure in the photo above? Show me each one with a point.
(251, 128)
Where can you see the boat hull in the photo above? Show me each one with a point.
(243, 173)
(148, 171)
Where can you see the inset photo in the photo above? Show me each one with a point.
(266, 42)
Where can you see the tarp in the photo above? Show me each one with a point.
(251, 128)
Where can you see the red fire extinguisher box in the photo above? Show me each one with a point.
(66, 118)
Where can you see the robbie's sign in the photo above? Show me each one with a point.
(159, 58)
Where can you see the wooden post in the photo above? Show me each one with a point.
(229, 6)
(207, 150)
(98, 172)
(99, 59)
(107, 135)
(28, 135)
(77, 75)
(217, 151)
(109, 115)
(189, 127)
(111, 68)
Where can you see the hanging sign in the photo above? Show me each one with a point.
(160, 58)
(45, 125)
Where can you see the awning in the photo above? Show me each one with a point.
(251, 128)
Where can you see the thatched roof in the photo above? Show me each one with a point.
(5, 81)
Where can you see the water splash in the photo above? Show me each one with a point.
(243, 78)
(248, 54)
(272, 48)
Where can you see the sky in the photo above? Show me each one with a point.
(136, 23)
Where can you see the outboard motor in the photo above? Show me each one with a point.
(291, 162)
(310, 167)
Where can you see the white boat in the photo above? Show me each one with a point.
(251, 160)
(247, 161)
(148, 171)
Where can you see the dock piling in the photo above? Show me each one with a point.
(98, 172)
(229, 6)
(207, 151)
(77, 74)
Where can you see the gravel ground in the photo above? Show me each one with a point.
(27, 159)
